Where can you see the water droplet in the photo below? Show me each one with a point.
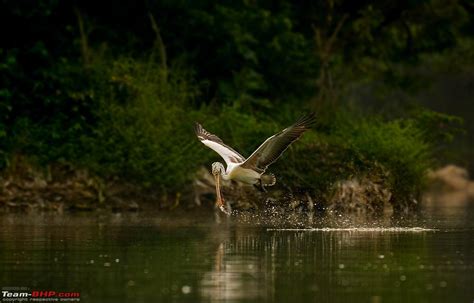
(91, 261)
(341, 266)
(443, 284)
(403, 278)
(107, 264)
(186, 289)
(117, 260)
(381, 256)
(131, 283)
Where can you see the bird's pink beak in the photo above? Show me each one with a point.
(220, 201)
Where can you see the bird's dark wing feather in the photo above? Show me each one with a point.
(270, 150)
(215, 143)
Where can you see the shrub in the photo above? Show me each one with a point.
(361, 146)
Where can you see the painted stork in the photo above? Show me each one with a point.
(252, 169)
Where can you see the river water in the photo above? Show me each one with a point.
(194, 256)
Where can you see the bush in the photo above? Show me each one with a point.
(145, 120)
(144, 132)
(396, 151)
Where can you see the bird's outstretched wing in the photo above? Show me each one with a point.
(212, 141)
(270, 150)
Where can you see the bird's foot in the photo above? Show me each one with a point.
(224, 210)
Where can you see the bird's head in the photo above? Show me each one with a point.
(217, 168)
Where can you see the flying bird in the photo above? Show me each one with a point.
(251, 170)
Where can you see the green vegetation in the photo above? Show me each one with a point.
(95, 90)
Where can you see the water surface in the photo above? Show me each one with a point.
(192, 257)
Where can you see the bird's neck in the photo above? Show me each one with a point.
(221, 169)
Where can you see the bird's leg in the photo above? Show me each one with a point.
(262, 187)
(220, 201)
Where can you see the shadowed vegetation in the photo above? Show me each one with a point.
(116, 92)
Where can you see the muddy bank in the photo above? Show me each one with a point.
(63, 188)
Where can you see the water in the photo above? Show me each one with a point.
(191, 257)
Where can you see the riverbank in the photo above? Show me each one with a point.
(60, 188)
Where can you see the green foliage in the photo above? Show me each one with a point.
(144, 132)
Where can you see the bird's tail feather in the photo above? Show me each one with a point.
(268, 179)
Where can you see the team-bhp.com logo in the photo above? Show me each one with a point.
(40, 296)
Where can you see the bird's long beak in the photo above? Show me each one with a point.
(220, 201)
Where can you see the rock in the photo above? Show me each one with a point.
(450, 186)
(450, 177)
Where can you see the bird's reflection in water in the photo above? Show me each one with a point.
(235, 274)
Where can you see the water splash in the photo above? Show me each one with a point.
(359, 229)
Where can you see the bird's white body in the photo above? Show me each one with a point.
(238, 173)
